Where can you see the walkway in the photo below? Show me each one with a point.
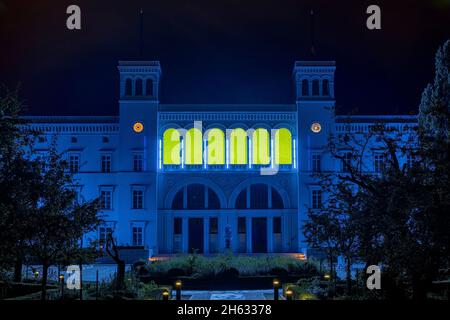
(227, 295)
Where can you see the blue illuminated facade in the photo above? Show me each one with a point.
(168, 196)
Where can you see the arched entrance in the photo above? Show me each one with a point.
(195, 209)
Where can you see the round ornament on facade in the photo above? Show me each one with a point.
(138, 127)
(316, 127)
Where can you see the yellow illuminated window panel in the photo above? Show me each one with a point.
(171, 147)
(194, 146)
(216, 146)
(283, 146)
(261, 148)
(238, 146)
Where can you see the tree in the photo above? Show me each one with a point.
(19, 181)
(58, 221)
(113, 251)
(402, 220)
(331, 227)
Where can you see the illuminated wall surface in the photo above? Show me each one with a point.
(174, 178)
(257, 143)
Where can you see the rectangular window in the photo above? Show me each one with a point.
(241, 225)
(138, 199)
(347, 162)
(105, 139)
(74, 163)
(106, 163)
(138, 236)
(409, 161)
(316, 199)
(106, 199)
(213, 226)
(378, 164)
(74, 139)
(177, 226)
(315, 161)
(103, 233)
(277, 225)
(138, 162)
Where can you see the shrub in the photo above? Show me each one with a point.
(230, 273)
(209, 267)
(175, 273)
(138, 265)
(279, 272)
(151, 291)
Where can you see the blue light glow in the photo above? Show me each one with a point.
(295, 154)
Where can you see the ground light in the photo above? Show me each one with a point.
(276, 287)
(178, 285)
(165, 295)
(61, 281)
(289, 294)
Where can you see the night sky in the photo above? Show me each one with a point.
(219, 51)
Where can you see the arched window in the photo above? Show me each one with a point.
(128, 87)
(194, 146)
(315, 87)
(283, 146)
(213, 200)
(138, 87)
(277, 201)
(326, 87)
(178, 200)
(241, 200)
(262, 196)
(171, 147)
(260, 145)
(195, 197)
(259, 196)
(216, 146)
(149, 87)
(305, 88)
(238, 146)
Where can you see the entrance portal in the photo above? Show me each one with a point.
(259, 235)
(195, 241)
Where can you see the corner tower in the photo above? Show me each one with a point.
(138, 151)
(139, 100)
(314, 92)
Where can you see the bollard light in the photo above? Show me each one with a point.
(327, 276)
(289, 294)
(276, 287)
(61, 280)
(36, 274)
(178, 289)
(165, 295)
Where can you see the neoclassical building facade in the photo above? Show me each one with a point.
(207, 178)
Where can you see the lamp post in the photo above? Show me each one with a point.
(96, 284)
(36, 274)
(61, 280)
(327, 277)
(165, 295)
(276, 287)
(178, 289)
(289, 294)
